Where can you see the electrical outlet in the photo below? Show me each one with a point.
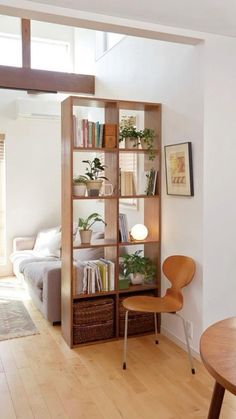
(189, 327)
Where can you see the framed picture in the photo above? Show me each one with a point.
(179, 169)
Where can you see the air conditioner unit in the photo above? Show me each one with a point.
(39, 109)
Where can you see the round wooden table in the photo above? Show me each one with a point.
(218, 353)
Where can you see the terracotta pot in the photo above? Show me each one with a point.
(137, 278)
(94, 187)
(80, 189)
(85, 236)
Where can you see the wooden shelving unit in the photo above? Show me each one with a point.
(111, 245)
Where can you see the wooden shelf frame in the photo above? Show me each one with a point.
(111, 244)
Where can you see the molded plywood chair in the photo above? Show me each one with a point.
(180, 271)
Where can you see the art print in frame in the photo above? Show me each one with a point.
(179, 169)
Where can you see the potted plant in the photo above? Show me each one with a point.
(94, 180)
(139, 268)
(79, 185)
(130, 135)
(85, 225)
(147, 138)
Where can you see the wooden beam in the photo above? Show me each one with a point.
(26, 45)
(45, 81)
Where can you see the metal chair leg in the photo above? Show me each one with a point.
(125, 339)
(188, 346)
(155, 321)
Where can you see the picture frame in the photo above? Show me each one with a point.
(179, 169)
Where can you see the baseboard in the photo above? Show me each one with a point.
(179, 342)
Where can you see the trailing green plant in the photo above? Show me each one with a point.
(94, 169)
(134, 263)
(86, 223)
(80, 180)
(147, 136)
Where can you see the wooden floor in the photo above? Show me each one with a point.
(40, 377)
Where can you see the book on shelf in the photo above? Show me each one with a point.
(152, 182)
(93, 276)
(127, 183)
(110, 135)
(123, 228)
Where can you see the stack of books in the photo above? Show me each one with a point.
(127, 183)
(93, 276)
(123, 228)
(90, 134)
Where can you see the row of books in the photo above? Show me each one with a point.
(123, 228)
(90, 134)
(93, 276)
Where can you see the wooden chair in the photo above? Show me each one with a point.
(180, 271)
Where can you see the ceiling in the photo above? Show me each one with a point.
(215, 16)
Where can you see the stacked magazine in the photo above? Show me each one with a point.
(94, 276)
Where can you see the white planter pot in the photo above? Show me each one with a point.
(85, 236)
(79, 190)
(137, 278)
(94, 187)
(131, 142)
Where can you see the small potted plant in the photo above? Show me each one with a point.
(79, 185)
(130, 135)
(85, 225)
(139, 269)
(94, 180)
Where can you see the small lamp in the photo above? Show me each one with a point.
(139, 232)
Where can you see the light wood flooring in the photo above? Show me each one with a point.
(40, 377)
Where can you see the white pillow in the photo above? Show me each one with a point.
(48, 242)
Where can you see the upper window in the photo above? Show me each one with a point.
(2, 202)
(105, 41)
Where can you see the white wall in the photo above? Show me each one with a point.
(146, 70)
(219, 180)
(33, 172)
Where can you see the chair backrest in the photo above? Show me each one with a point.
(180, 271)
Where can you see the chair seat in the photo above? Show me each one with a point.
(148, 304)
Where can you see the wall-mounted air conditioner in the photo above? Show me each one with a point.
(42, 109)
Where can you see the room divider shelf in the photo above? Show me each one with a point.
(147, 211)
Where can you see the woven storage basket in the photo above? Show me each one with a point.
(138, 322)
(93, 320)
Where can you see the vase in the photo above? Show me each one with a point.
(131, 142)
(94, 187)
(137, 278)
(80, 189)
(85, 236)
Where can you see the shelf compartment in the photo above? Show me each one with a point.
(137, 150)
(96, 243)
(96, 294)
(139, 196)
(75, 198)
(95, 149)
(139, 288)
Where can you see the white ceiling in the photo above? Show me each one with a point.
(216, 16)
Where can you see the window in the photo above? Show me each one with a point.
(2, 202)
(50, 55)
(105, 41)
(10, 47)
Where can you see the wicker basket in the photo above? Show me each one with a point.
(138, 322)
(93, 320)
